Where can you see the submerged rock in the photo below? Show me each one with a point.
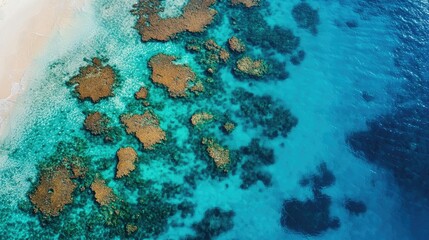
(236, 45)
(201, 118)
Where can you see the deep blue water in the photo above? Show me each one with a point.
(332, 143)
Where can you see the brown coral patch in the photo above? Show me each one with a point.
(173, 76)
(247, 3)
(198, 87)
(130, 228)
(94, 81)
(254, 68)
(54, 191)
(236, 45)
(197, 14)
(96, 123)
(229, 127)
(145, 127)
(219, 154)
(142, 93)
(103, 194)
(199, 119)
(126, 159)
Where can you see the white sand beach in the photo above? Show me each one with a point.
(26, 26)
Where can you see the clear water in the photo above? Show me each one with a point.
(365, 67)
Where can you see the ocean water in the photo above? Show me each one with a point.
(354, 165)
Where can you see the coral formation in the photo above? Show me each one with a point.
(254, 68)
(141, 94)
(236, 45)
(215, 222)
(201, 118)
(96, 123)
(197, 14)
(247, 3)
(219, 154)
(306, 17)
(262, 111)
(54, 191)
(254, 158)
(94, 81)
(103, 194)
(229, 127)
(309, 217)
(355, 207)
(126, 159)
(198, 87)
(145, 127)
(174, 77)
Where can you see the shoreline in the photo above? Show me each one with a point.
(26, 27)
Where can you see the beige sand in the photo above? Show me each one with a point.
(26, 26)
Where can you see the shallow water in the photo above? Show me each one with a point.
(359, 97)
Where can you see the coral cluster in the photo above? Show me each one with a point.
(312, 216)
(247, 3)
(306, 17)
(215, 222)
(229, 127)
(54, 191)
(197, 14)
(219, 154)
(145, 127)
(236, 45)
(173, 76)
(126, 159)
(142, 94)
(201, 118)
(94, 81)
(254, 68)
(103, 194)
(96, 123)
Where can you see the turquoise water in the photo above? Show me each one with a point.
(351, 77)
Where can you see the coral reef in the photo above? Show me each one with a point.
(236, 45)
(94, 81)
(246, 3)
(197, 14)
(54, 191)
(174, 77)
(312, 216)
(324, 178)
(355, 207)
(306, 17)
(228, 127)
(215, 222)
(201, 118)
(219, 154)
(96, 123)
(126, 159)
(264, 112)
(145, 127)
(254, 68)
(103, 194)
(254, 158)
(142, 94)
(309, 217)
